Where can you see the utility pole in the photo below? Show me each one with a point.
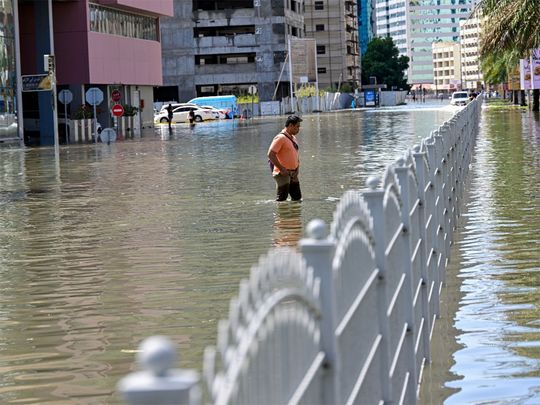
(52, 73)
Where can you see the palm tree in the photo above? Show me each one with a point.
(511, 26)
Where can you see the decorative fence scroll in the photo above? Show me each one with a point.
(348, 320)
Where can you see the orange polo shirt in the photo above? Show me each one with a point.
(286, 153)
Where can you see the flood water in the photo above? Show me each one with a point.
(486, 346)
(152, 236)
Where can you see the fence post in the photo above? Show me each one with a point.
(419, 157)
(374, 197)
(402, 171)
(157, 384)
(318, 251)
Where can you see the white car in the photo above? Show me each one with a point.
(181, 114)
(174, 105)
(222, 113)
(459, 98)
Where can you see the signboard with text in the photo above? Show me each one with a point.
(535, 69)
(525, 74)
(304, 60)
(40, 82)
(370, 98)
(513, 79)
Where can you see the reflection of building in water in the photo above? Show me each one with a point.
(287, 224)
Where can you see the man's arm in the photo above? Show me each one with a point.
(273, 158)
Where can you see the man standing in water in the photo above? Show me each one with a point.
(283, 157)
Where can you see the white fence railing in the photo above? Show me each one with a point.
(348, 320)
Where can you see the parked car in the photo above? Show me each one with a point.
(459, 98)
(222, 113)
(175, 105)
(180, 114)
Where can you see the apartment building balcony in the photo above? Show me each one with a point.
(233, 69)
(352, 61)
(228, 41)
(239, 16)
(351, 20)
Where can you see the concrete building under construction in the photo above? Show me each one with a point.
(212, 47)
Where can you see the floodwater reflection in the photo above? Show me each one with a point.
(152, 236)
(493, 310)
(288, 227)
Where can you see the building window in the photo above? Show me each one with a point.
(116, 22)
(319, 27)
(211, 5)
(225, 59)
(321, 49)
(319, 5)
(293, 6)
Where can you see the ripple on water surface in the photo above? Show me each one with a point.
(498, 337)
(152, 236)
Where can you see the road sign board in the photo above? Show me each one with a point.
(117, 110)
(252, 89)
(65, 96)
(94, 96)
(36, 83)
(116, 96)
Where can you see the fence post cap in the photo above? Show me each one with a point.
(157, 355)
(373, 182)
(317, 229)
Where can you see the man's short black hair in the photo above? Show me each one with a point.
(293, 119)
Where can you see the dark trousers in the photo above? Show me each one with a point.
(286, 185)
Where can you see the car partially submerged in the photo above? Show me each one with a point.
(459, 98)
(181, 114)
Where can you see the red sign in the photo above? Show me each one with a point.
(115, 95)
(118, 110)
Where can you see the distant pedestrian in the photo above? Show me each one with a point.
(191, 117)
(284, 160)
(413, 95)
(169, 114)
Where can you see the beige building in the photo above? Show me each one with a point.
(446, 66)
(334, 25)
(470, 56)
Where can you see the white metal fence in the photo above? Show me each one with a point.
(348, 320)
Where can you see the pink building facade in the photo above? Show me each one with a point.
(110, 44)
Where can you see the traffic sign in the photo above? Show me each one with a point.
(94, 96)
(116, 96)
(65, 96)
(118, 110)
(252, 89)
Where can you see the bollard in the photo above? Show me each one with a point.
(157, 384)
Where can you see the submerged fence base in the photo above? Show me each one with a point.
(349, 319)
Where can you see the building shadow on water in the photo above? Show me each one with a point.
(287, 229)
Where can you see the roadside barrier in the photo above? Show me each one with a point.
(349, 318)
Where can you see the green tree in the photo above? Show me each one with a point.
(496, 65)
(511, 28)
(383, 61)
